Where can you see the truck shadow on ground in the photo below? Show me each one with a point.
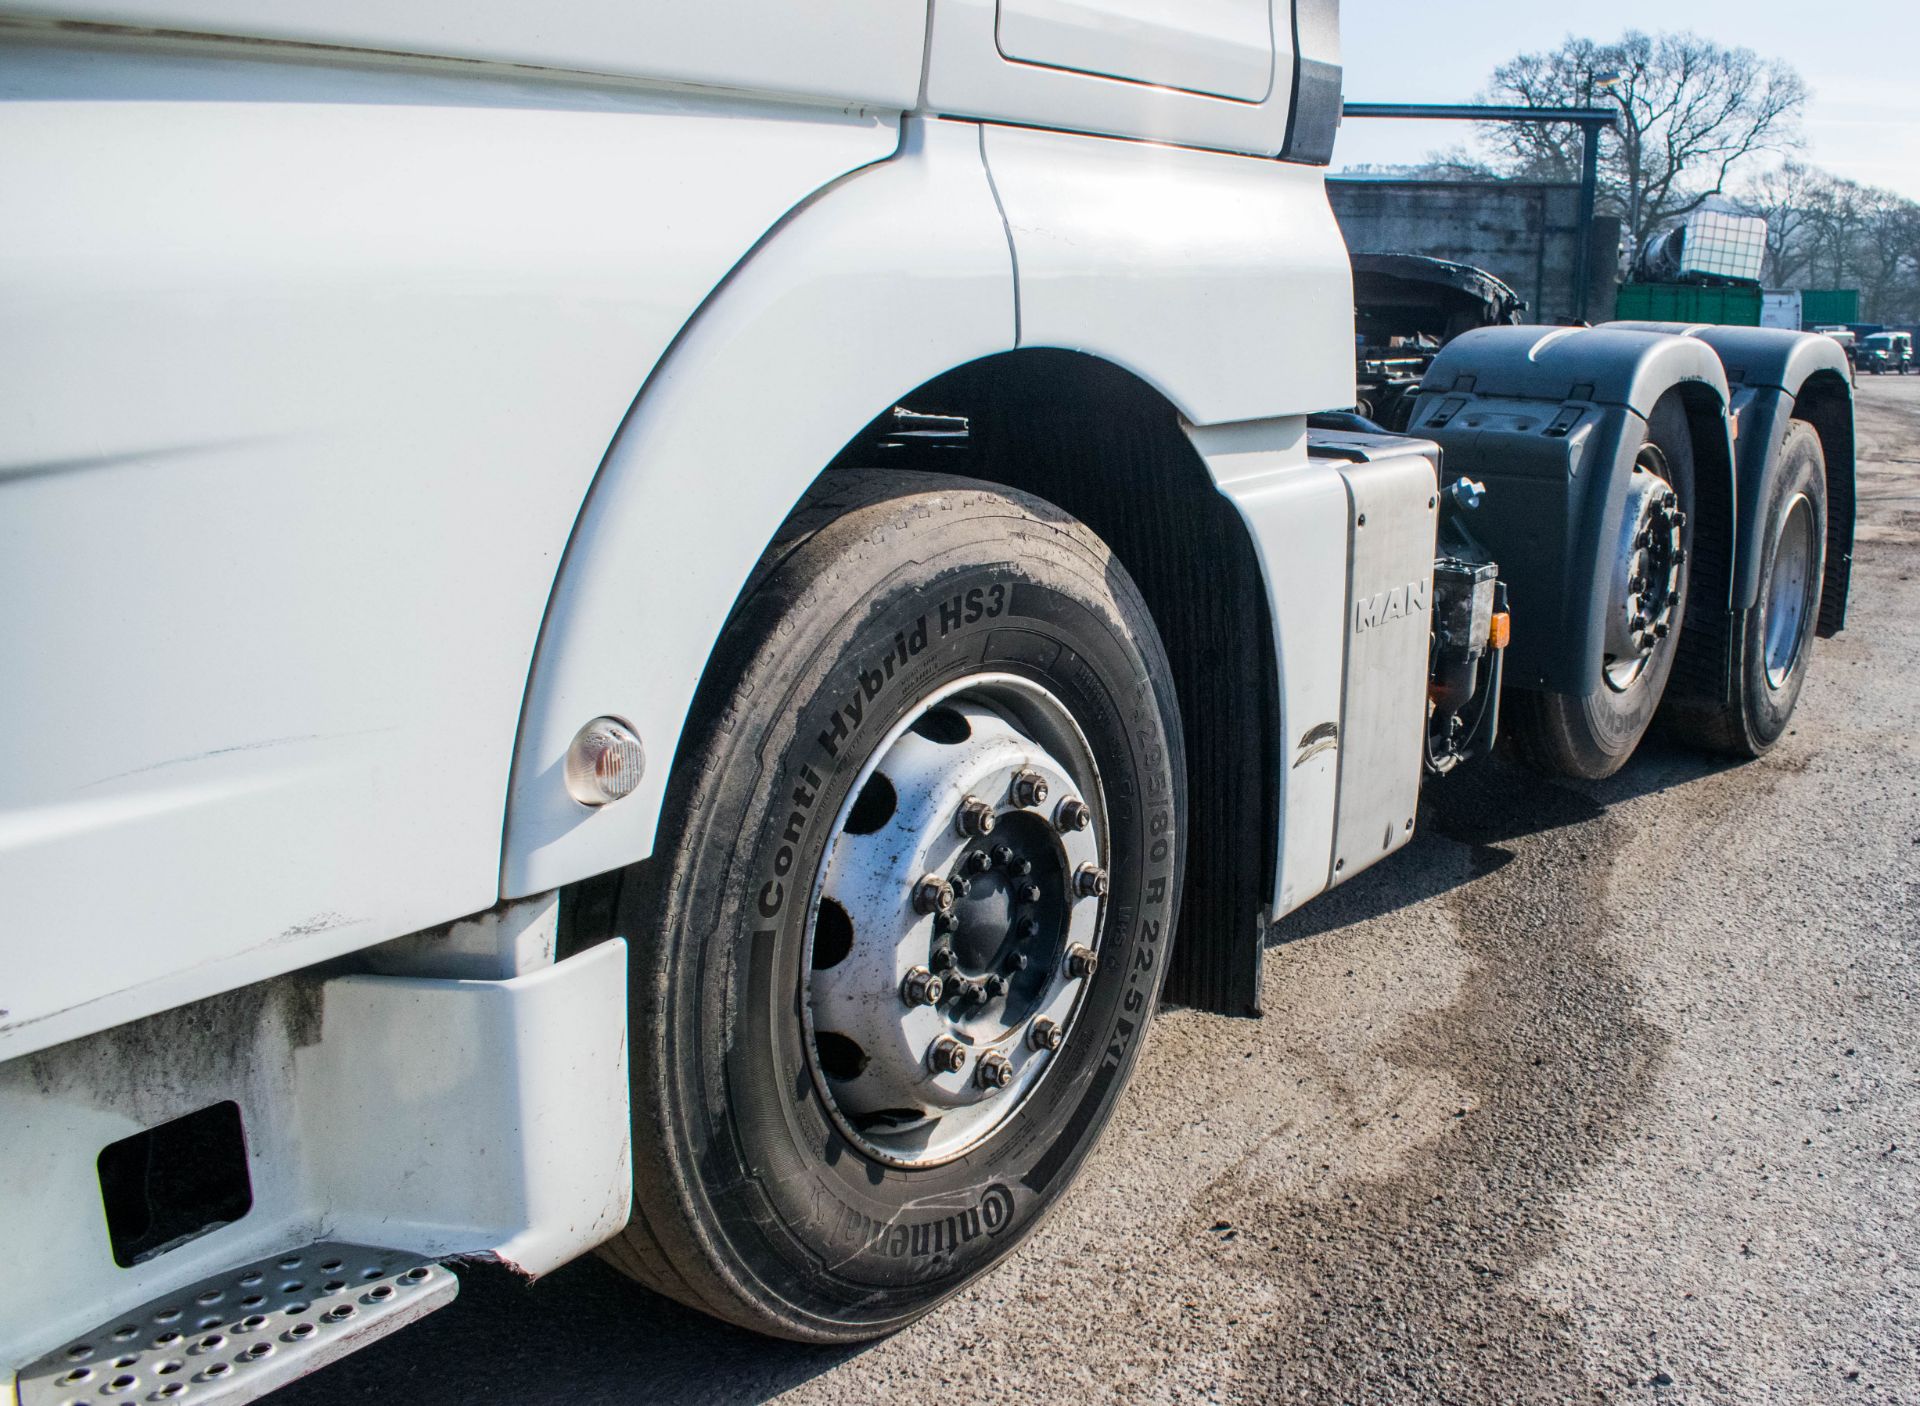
(1411, 1280)
(588, 1335)
(1487, 806)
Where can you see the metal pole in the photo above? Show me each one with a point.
(1589, 197)
(1480, 112)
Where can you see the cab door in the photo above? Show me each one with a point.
(1219, 48)
(1261, 77)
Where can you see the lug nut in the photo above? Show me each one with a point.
(1002, 856)
(942, 959)
(1028, 927)
(1073, 814)
(996, 985)
(979, 861)
(1020, 867)
(1045, 1034)
(1082, 962)
(1017, 962)
(932, 894)
(960, 885)
(921, 987)
(1029, 789)
(945, 922)
(994, 1071)
(976, 816)
(1661, 630)
(1029, 893)
(1090, 881)
(947, 1056)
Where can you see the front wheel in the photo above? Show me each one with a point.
(896, 957)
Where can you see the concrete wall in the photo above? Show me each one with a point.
(1524, 233)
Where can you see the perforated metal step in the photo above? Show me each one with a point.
(237, 1336)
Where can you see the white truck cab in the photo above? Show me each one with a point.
(657, 628)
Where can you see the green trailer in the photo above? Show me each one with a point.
(1687, 302)
(1829, 307)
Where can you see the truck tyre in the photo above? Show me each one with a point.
(1769, 647)
(894, 958)
(1591, 736)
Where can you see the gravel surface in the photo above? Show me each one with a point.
(1595, 1093)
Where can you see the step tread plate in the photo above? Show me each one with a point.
(240, 1334)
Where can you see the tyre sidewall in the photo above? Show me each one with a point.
(1770, 710)
(1616, 719)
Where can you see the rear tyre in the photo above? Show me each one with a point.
(1770, 646)
(1591, 736)
(895, 959)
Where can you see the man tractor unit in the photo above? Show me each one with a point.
(658, 628)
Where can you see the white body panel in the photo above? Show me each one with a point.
(1297, 512)
(864, 51)
(969, 74)
(444, 1117)
(894, 276)
(301, 401)
(1221, 281)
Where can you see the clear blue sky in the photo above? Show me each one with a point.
(1859, 57)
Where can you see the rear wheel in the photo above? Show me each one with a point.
(1591, 736)
(1770, 646)
(918, 875)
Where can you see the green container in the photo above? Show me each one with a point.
(1686, 302)
(1829, 307)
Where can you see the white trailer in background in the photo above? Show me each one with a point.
(658, 627)
(1780, 310)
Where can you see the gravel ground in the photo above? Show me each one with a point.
(1595, 1093)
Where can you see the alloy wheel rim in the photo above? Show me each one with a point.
(1790, 592)
(1648, 571)
(955, 921)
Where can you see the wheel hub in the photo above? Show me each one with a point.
(955, 928)
(1648, 564)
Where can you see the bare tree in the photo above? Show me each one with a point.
(1825, 231)
(1692, 112)
(1784, 198)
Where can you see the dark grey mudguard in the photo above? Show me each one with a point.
(1777, 376)
(1551, 420)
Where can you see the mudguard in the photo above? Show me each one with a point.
(1777, 376)
(1551, 419)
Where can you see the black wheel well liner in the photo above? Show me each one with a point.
(1825, 402)
(1697, 677)
(1108, 448)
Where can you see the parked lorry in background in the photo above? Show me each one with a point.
(658, 628)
